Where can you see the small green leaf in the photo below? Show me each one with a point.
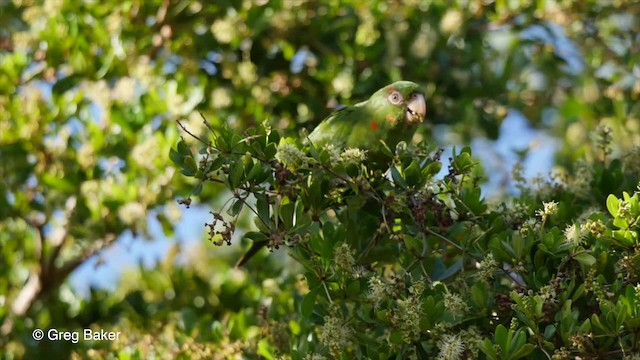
(270, 151)
(262, 207)
(183, 149)
(431, 169)
(294, 327)
(549, 331)
(442, 272)
(397, 178)
(264, 349)
(621, 223)
(353, 289)
(385, 149)
(58, 183)
(190, 167)
(255, 236)
(395, 337)
(502, 336)
(612, 205)
(235, 209)
(197, 189)
(488, 349)
(412, 174)
(236, 175)
(309, 301)
(286, 214)
(176, 157)
(585, 259)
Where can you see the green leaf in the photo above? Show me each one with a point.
(502, 336)
(264, 349)
(58, 183)
(270, 151)
(385, 149)
(190, 167)
(612, 205)
(432, 169)
(235, 209)
(488, 349)
(412, 174)
(236, 174)
(549, 331)
(262, 207)
(255, 236)
(397, 178)
(585, 259)
(176, 157)
(522, 351)
(353, 289)
(286, 213)
(274, 137)
(621, 223)
(309, 301)
(479, 295)
(197, 189)
(184, 149)
(441, 272)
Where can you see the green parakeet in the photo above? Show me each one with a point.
(391, 115)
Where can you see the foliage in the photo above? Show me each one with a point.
(413, 265)
(89, 93)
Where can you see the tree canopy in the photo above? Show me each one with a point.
(116, 112)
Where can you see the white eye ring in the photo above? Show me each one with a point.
(395, 98)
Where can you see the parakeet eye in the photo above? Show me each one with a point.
(395, 98)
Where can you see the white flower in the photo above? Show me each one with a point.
(451, 348)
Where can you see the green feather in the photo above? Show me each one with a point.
(365, 124)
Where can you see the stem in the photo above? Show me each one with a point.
(431, 232)
(326, 290)
(192, 135)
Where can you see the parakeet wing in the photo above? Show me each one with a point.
(338, 128)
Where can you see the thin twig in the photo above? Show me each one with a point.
(192, 135)
(443, 238)
(206, 122)
(326, 290)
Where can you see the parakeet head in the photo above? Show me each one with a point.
(402, 102)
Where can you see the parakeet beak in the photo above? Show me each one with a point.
(416, 109)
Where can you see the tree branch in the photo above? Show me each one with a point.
(59, 241)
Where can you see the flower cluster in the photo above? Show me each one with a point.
(487, 268)
(451, 348)
(549, 208)
(291, 156)
(573, 235)
(335, 334)
(407, 316)
(581, 184)
(353, 156)
(604, 139)
(378, 290)
(593, 227)
(334, 153)
(343, 257)
(456, 306)
(472, 340)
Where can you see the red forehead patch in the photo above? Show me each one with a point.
(374, 125)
